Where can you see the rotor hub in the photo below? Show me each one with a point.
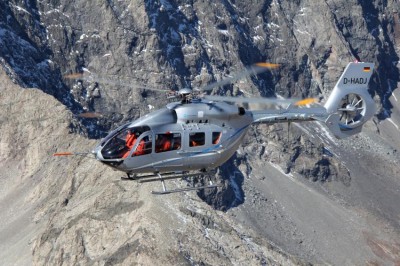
(351, 108)
(351, 111)
(185, 91)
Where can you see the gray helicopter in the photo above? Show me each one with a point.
(197, 134)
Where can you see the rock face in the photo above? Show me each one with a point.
(83, 215)
(174, 44)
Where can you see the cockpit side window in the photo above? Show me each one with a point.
(144, 146)
(120, 145)
(112, 134)
(197, 139)
(168, 142)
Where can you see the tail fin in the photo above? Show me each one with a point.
(350, 104)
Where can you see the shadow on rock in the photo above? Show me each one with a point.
(231, 193)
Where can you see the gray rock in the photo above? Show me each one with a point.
(176, 44)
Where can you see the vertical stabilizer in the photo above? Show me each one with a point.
(350, 104)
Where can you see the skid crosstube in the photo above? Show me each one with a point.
(168, 177)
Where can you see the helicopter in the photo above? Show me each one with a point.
(199, 133)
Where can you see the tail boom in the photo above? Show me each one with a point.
(348, 107)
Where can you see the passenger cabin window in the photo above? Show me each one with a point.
(197, 139)
(168, 142)
(144, 146)
(216, 137)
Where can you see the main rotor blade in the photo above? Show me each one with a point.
(63, 154)
(306, 101)
(84, 154)
(70, 153)
(261, 100)
(91, 77)
(90, 115)
(252, 70)
(250, 100)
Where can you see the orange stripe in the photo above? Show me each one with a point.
(74, 76)
(268, 65)
(90, 115)
(63, 154)
(306, 101)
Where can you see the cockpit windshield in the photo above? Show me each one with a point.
(121, 144)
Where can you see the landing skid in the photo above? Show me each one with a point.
(169, 176)
(130, 177)
(166, 191)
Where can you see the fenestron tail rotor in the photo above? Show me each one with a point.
(351, 110)
(350, 105)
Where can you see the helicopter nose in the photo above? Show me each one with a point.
(97, 154)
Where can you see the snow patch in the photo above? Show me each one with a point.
(302, 11)
(303, 32)
(272, 25)
(387, 95)
(394, 96)
(224, 32)
(321, 129)
(304, 130)
(391, 121)
(21, 9)
(258, 38)
(277, 167)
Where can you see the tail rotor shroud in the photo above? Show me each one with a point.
(350, 105)
(351, 109)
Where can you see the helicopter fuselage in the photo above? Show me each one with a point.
(201, 134)
(180, 137)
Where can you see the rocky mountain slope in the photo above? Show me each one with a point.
(316, 200)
